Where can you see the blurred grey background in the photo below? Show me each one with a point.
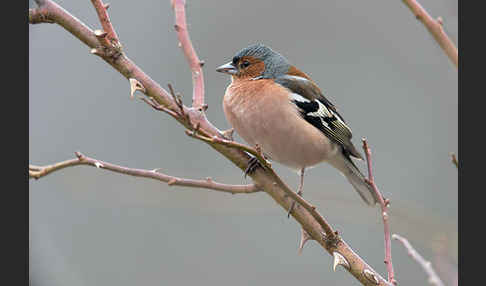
(375, 61)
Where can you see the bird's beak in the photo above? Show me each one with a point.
(228, 68)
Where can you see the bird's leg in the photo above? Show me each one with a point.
(253, 164)
(300, 191)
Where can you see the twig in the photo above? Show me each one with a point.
(384, 212)
(454, 160)
(435, 28)
(37, 172)
(191, 56)
(426, 265)
(112, 38)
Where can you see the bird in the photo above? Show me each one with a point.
(273, 104)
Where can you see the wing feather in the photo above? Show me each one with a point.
(319, 111)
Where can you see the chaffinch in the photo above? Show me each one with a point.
(275, 105)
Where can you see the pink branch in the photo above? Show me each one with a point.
(189, 53)
(426, 265)
(331, 235)
(37, 172)
(112, 38)
(384, 211)
(435, 28)
(268, 180)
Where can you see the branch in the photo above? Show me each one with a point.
(426, 265)
(384, 212)
(189, 52)
(266, 179)
(435, 28)
(112, 37)
(454, 160)
(331, 235)
(37, 172)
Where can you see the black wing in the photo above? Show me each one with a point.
(319, 111)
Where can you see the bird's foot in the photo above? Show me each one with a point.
(253, 164)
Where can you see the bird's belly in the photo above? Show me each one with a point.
(281, 133)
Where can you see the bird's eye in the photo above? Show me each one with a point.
(244, 64)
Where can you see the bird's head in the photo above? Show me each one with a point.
(256, 61)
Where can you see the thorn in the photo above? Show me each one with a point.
(95, 51)
(209, 180)
(371, 276)
(304, 237)
(201, 63)
(134, 86)
(171, 181)
(98, 165)
(106, 6)
(440, 21)
(179, 44)
(196, 128)
(155, 170)
(100, 33)
(79, 155)
(339, 260)
(177, 27)
(229, 134)
(204, 107)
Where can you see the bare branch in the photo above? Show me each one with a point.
(384, 212)
(191, 56)
(310, 220)
(331, 235)
(39, 15)
(435, 28)
(37, 172)
(111, 38)
(426, 265)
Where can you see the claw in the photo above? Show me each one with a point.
(253, 164)
(293, 205)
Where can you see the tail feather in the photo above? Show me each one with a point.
(357, 180)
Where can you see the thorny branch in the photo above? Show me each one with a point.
(435, 28)
(384, 212)
(111, 36)
(331, 235)
(189, 52)
(426, 265)
(195, 121)
(37, 172)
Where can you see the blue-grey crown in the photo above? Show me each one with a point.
(275, 63)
